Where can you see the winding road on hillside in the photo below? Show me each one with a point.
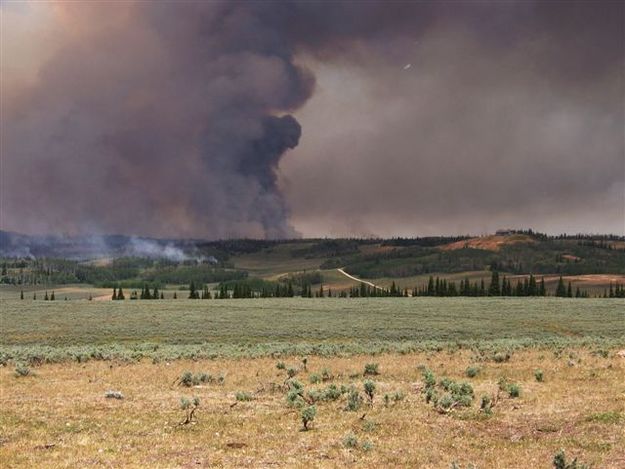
(359, 280)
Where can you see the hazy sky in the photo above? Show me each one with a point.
(218, 119)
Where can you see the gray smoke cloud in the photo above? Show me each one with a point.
(172, 119)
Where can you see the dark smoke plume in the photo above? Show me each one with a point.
(172, 118)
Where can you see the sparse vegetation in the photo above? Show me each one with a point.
(308, 416)
(560, 462)
(244, 396)
(372, 369)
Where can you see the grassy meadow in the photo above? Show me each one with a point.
(550, 371)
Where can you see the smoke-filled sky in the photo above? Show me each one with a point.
(343, 118)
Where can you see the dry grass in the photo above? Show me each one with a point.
(60, 418)
(489, 243)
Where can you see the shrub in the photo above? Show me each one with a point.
(486, 405)
(559, 462)
(308, 415)
(21, 371)
(514, 390)
(294, 398)
(372, 369)
(472, 371)
(326, 375)
(314, 378)
(291, 371)
(331, 393)
(369, 387)
(350, 441)
(367, 446)
(354, 400)
(538, 374)
(501, 357)
(205, 378)
(186, 379)
(113, 395)
(280, 366)
(305, 363)
(244, 396)
(446, 402)
(190, 406)
(428, 378)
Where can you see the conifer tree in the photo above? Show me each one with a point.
(541, 290)
(52, 297)
(162, 296)
(569, 291)
(561, 289)
(114, 294)
(175, 297)
(45, 298)
(120, 294)
(34, 295)
(494, 289)
(192, 291)
(21, 294)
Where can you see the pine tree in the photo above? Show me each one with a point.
(34, 295)
(431, 291)
(120, 294)
(561, 289)
(569, 291)
(156, 295)
(52, 297)
(21, 294)
(162, 296)
(114, 294)
(175, 297)
(45, 298)
(321, 291)
(541, 290)
(494, 289)
(192, 291)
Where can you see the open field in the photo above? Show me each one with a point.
(59, 417)
(75, 351)
(196, 328)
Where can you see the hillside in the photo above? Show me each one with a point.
(33, 262)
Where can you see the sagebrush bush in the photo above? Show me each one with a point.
(308, 415)
(372, 369)
(514, 390)
(486, 404)
(367, 446)
(186, 379)
(291, 371)
(538, 374)
(314, 378)
(326, 375)
(244, 396)
(560, 462)
(350, 441)
(281, 366)
(501, 357)
(22, 370)
(113, 395)
(369, 387)
(472, 371)
(354, 400)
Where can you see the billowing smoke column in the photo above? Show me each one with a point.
(157, 118)
(170, 119)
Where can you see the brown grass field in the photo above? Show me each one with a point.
(59, 416)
